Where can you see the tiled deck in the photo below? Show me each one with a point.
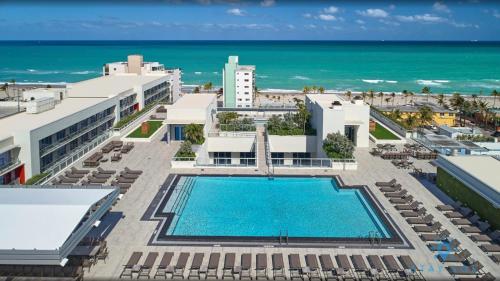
(131, 234)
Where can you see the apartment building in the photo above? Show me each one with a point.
(49, 138)
(135, 64)
(238, 84)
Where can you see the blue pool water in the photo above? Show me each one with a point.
(258, 206)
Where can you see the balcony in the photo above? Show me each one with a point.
(9, 166)
(67, 139)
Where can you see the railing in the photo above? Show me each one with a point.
(52, 147)
(227, 162)
(75, 155)
(235, 134)
(183, 188)
(267, 153)
(183, 158)
(309, 162)
(9, 166)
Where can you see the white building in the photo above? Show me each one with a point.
(238, 84)
(48, 138)
(136, 64)
(45, 225)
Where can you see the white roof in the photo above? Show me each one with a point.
(483, 168)
(230, 144)
(109, 86)
(43, 218)
(22, 122)
(194, 101)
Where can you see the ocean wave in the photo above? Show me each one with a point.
(280, 91)
(27, 82)
(299, 77)
(30, 71)
(215, 72)
(436, 83)
(376, 81)
(262, 76)
(391, 81)
(84, 72)
(198, 72)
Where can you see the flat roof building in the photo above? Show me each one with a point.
(46, 141)
(238, 84)
(42, 225)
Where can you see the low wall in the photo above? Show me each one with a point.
(345, 166)
(182, 164)
(300, 143)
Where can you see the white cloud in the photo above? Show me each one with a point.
(360, 21)
(236, 12)
(307, 15)
(290, 26)
(374, 13)
(440, 7)
(267, 3)
(310, 26)
(326, 17)
(330, 10)
(389, 22)
(427, 18)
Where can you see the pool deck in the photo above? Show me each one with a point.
(133, 234)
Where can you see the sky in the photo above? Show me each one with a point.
(250, 20)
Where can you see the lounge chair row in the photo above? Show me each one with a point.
(430, 230)
(316, 267)
(27, 272)
(477, 230)
(93, 160)
(111, 146)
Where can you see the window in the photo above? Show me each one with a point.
(247, 158)
(45, 142)
(246, 73)
(61, 151)
(247, 105)
(246, 87)
(247, 99)
(60, 135)
(247, 93)
(239, 105)
(301, 158)
(277, 158)
(441, 114)
(73, 144)
(46, 160)
(246, 80)
(73, 129)
(222, 158)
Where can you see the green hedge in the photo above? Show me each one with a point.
(460, 192)
(34, 179)
(127, 119)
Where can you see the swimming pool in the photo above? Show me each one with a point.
(300, 207)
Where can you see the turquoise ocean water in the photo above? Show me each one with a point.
(447, 67)
(258, 206)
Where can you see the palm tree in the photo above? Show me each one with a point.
(411, 121)
(426, 90)
(363, 95)
(495, 94)
(348, 94)
(387, 100)
(194, 133)
(484, 111)
(306, 90)
(425, 114)
(196, 90)
(440, 99)
(314, 89)
(371, 95)
(396, 114)
(411, 94)
(207, 86)
(405, 94)
(393, 96)
(321, 90)
(381, 96)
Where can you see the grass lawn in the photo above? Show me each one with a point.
(153, 127)
(381, 133)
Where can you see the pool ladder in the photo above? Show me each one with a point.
(283, 237)
(374, 238)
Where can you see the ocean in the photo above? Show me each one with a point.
(445, 67)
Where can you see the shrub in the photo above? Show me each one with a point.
(226, 117)
(36, 178)
(185, 152)
(194, 133)
(338, 146)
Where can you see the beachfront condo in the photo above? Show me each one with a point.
(136, 64)
(53, 133)
(238, 84)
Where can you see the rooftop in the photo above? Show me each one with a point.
(24, 122)
(326, 100)
(51, 211)
(194, 101)
(109, 86)
(483, 168)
